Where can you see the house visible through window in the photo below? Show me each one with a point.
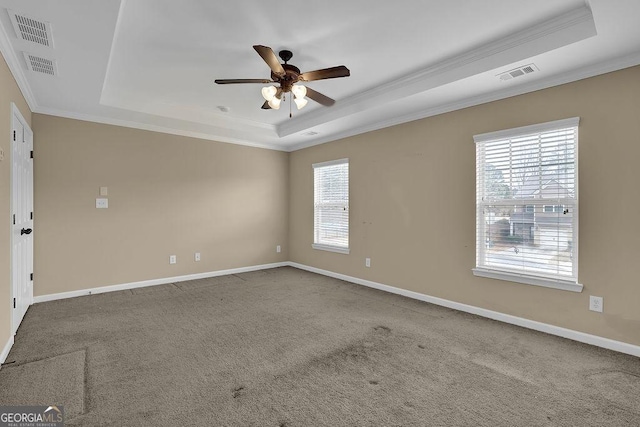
(527, 205)
(331, 206)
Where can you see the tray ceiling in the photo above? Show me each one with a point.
(150, 64)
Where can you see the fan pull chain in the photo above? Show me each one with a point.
(290, 114)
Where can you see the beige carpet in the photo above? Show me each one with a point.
(285, 347)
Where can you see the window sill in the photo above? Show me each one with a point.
(328, 248)
(529, 280)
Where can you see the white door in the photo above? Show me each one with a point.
(21, 217)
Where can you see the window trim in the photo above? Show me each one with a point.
(532, 279)
(322, 246)
(524, 130)
(329, 248)
(565, 285)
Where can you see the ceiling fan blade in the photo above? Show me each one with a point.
(327, 73)
(320, 98)
(271, 59)
(234, 81)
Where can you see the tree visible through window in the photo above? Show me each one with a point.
(526, 200)
(331, 206)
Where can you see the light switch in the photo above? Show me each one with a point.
(104, 191)
(102, 203)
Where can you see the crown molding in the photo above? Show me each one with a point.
(16, 68)
(583, 73)
(153, 128)
(569, 27)
(568, 77)
(184, 113)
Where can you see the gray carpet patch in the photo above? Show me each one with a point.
(285, 347)
(57, 380)
(210, 282)
(619, 387)
(168, 288)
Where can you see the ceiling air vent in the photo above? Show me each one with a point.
(31, 30)
(310, 133)
(517, 72)
(41, 65)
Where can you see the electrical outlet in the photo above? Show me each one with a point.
(278, 249)
(595, 304)
(172, 259)
(367, 262)
(102, 203)
(197, 256)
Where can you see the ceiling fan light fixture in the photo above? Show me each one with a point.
(284, 76)
(269, 92)
(274, 103)
(300, 102)
(299, 91)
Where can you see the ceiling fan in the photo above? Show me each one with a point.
(287, 75)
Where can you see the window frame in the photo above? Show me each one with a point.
(529, 277)
(324, 246)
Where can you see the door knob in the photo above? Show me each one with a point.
(25, 231)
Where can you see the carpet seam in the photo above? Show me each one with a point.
(15, 363)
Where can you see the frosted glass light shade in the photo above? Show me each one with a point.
(269, 92)
(299, 91)
(300, 102)
(274, 103)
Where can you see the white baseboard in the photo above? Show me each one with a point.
(154, 282)
(6, 350)
(610, 344)
(598, 341)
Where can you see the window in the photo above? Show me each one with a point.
(331, 206)
(527, 205)
(552, 208)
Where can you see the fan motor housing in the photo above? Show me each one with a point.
(291, 77)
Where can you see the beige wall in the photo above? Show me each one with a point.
(412, 205)
(167, 195)
(9, 92)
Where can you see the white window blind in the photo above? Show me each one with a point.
(527, 204)
(331, 205)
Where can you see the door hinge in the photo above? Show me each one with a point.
(14, 135)
(32, 154)
(31, 277)
(14, 219)
(14, 303)
(31, 215)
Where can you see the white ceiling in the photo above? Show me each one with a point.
(150, 64)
